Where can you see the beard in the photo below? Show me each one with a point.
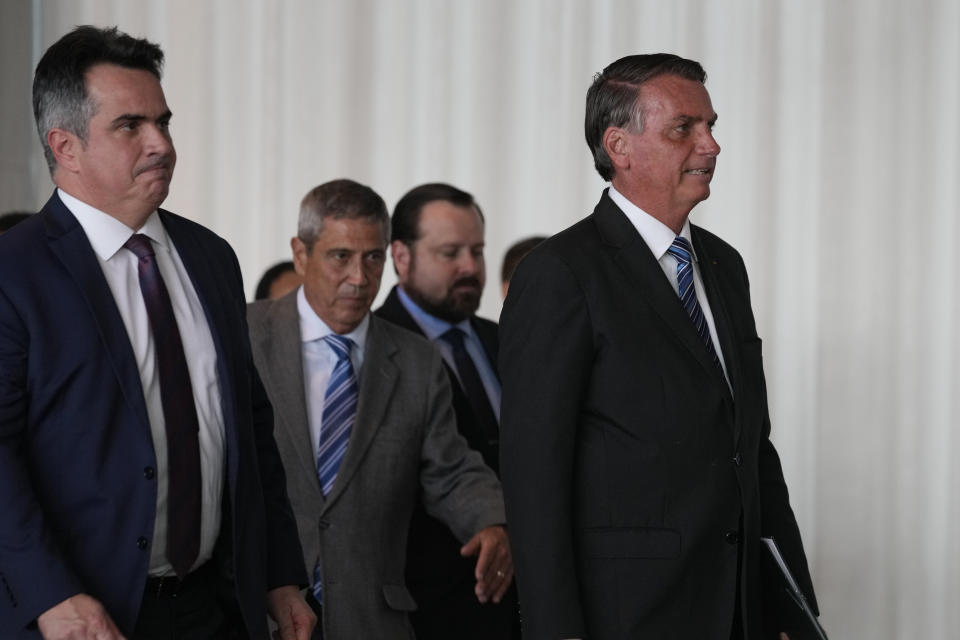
(458, 304)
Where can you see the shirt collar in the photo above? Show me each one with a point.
(432, 326)
(313, 328)
(657, 235)
(106, 234)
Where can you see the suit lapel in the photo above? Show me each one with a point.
(281, 348)
(632, 254)
(70, 245)
(377, 382)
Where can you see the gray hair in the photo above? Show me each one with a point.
(339, 199)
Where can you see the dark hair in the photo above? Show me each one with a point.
(613, 100)
(269, 276)
(515, 254)
(405, 223)
(60, 98)
(9, 219)
(340, 199)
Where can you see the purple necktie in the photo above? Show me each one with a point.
(179, 413)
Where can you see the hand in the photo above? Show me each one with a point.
(294, 617)
(494, 565)
(79, 617)
(783, 636)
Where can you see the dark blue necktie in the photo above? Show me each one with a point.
(179, 413)
(681, 250)
(472, 384)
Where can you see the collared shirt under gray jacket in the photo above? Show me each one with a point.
(404, 445)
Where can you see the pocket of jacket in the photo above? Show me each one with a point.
(398, 598)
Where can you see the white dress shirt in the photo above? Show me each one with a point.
(659, 237)
(319, 360)
(107, 235)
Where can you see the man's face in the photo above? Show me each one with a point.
(341, 273)
(126, 164)
(443, 271)
(671, 163)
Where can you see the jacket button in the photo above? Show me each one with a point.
(738, 459)
(148, 473)
(732, 537)
(141, 543)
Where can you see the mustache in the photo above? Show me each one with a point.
(467, 281)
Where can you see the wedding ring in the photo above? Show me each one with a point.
(500, 574)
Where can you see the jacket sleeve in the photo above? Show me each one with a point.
(458, 488)
(34, 575)
(546, 356)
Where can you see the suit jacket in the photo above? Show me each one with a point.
(403, 447)
(76, 454)
(633, 478)
(441, 580)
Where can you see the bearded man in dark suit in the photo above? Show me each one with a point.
(437, 243)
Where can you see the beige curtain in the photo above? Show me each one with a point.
(840, 128)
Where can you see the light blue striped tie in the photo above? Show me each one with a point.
(339, 413)
(681, 250)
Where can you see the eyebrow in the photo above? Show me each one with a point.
(137, 117)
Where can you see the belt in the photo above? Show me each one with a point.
(169, 586)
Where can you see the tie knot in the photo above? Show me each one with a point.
(454, 337)
(140, 245)
(341, 345)
(680, 249)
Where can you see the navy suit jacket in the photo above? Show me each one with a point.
(634, 480)
(77, 488)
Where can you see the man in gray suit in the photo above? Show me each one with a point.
(365, 426)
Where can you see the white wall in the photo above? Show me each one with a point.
(837, 181)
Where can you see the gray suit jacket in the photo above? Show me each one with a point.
(404, 446)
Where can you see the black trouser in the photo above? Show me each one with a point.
(318, 610)
(188, 609)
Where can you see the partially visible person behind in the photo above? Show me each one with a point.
(512, 258)
(9, 219)
(437, 243)
(365, 428)
(278, 281)
(141, 491)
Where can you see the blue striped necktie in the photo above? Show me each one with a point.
(339, 413)
(681, 250)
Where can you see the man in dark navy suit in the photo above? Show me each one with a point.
(437, 241)
(141, 489)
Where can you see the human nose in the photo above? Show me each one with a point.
(469, 263)
(356, 275)
(158, 140)
(708, 145)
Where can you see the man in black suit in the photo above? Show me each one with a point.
(637, 465)
(437, 247)
(141, 489)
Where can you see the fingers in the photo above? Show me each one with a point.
(494, 569)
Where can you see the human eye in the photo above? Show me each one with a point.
(376, 257)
